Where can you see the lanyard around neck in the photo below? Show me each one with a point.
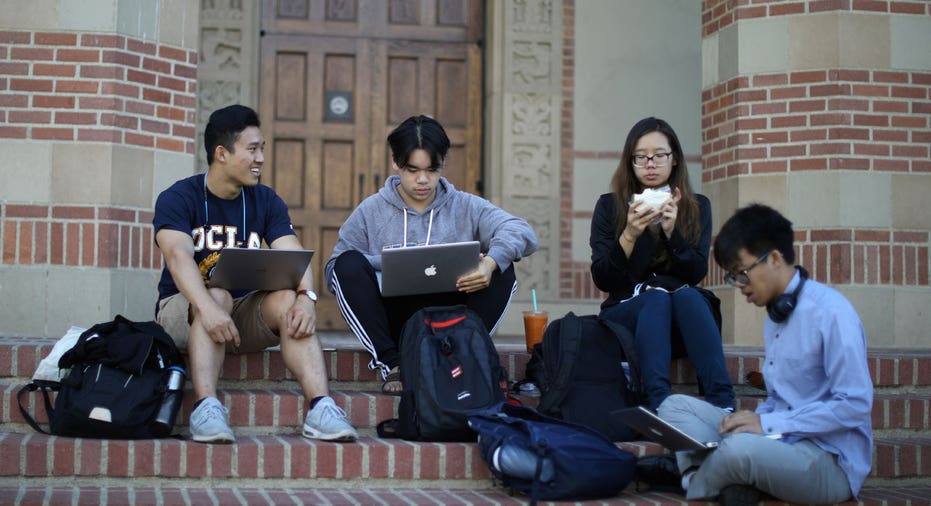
(242, 194)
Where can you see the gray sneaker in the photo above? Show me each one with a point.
(208, 423)
(328, 422)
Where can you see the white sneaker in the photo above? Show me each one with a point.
(208, 423)
(328, 422)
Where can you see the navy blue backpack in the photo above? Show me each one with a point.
(547, 458)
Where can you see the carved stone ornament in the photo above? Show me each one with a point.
(222, 9)
(227, 65)
(531, 170)
(531, 62)
(532, 16)
(533, 115)
(534, 271)
(532, 87)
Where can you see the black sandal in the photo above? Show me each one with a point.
(392, 377)
(387, 429)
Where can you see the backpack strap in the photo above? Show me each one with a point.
(629, 349)
(570, 337)
(32, 387)
(542, 453)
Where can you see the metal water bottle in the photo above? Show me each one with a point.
(521, 463)
(171, 402)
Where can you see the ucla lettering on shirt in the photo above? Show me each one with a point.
(218, 237)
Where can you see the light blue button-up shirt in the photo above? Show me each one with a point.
(818, 379)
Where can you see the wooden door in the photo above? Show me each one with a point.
(336, 77)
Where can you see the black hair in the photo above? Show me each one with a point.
(418, 132)
(757, 228)
(625, 183)
(225, 126)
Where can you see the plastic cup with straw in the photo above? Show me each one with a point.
(534, 323)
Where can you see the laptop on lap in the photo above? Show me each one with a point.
(260, 269)
(658, 430)
(434, 268)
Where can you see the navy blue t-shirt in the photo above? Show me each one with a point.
(258, 214)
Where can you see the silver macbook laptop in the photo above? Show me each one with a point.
(260, 269)
(426, 269)
(658, 430)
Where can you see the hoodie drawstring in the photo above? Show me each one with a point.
(404, 239)
(429, 228)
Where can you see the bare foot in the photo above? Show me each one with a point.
(392, 384)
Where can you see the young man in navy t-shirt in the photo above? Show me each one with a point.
(194, 220)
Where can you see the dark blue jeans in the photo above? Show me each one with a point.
(663, 325)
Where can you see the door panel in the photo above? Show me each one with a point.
(385, 60)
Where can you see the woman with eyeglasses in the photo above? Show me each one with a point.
(418, 206)
(649, 256)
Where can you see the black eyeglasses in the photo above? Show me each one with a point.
(659, 159)
(742, 278)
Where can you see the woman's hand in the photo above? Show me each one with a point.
(639, 217)
(670, 211)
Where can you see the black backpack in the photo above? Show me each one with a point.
(550, 459)
(118, 386)
(582, 378)
(449, 367)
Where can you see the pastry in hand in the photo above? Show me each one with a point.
(653, 199)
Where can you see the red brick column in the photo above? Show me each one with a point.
(827, 119)
(90, 88)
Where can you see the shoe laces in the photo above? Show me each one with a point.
(331, 410)
(215, 410)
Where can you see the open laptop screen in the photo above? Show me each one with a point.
(426, 269)
(260, 269)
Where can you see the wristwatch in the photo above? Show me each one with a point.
(312, 295)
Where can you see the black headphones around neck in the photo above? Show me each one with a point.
(780, 309)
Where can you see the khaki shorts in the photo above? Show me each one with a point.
(174, 314)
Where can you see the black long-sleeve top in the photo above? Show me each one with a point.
(616, 274)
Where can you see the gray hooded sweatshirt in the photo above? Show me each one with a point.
(384, 221)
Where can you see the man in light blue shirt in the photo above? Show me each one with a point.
(819, 392)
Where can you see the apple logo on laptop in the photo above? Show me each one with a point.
(430, 271)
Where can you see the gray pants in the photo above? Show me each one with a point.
(797, 472)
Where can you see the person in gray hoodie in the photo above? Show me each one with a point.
(417, 206)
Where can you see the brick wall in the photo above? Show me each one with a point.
(817, 120)
(91, 88)
(85, 236)
(859, 256)
(718, 14)
(97, 88)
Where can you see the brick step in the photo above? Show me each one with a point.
(281, 405)
(292, 456)
(28, 494)
(889, 367)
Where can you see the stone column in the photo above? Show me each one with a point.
(821, 110)
(96, 117)
(522, 126)
(228, 67)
